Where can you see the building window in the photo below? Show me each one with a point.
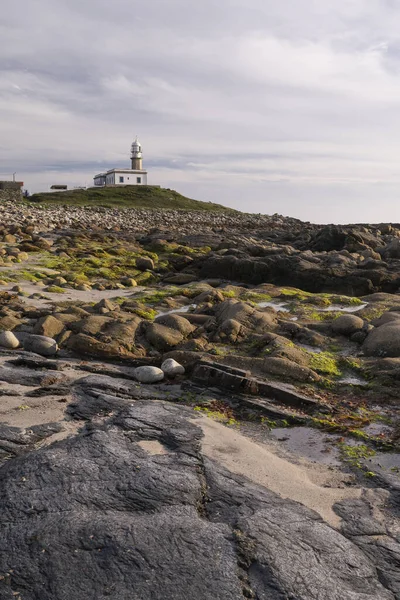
(138, 180)
(121, 180)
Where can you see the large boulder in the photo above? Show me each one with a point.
(230, 331)
(347, 324)
(40, 344)
(212, 296)
(387, 317)
(163, 338)
(10, 239)
(122, 331)
(91, 325)
(67, 318)
(392, 250)
(129, 282)
(90, 346)
(8, 340)
(246, 315)
(383, 341)
(105, 304)
(9, 322)
(176, 322)
(48, 326)
(145, 263)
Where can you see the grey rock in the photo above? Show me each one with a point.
(40, 344)
(177, 322)
(48, 326)
(372, 538)
(8, 340)
(172, 368)
(180, 278)
(246, 315)
(162, 527)
(15, 441)
(144, 263)
(230, 330)
(347, 324)
(29, 376)
(383, 341)
(359, 337)
(163, 338)
(149, 374)
(387, 317)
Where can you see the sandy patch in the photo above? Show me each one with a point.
(153, 447)
(23, 411)
(304, 483)
(85, 296)
(70, 428)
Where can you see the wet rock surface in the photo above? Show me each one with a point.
(100, 501)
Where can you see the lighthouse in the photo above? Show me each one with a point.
(136, 155)
(134, 176)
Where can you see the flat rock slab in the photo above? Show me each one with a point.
(98, 516)
(240, 381)
(15, 441)
(29, 377)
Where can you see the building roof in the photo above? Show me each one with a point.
(133, 171)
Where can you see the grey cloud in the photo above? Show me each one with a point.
(234, 101)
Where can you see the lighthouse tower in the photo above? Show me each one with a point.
(136, 155)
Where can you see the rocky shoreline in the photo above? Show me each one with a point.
(124, 332)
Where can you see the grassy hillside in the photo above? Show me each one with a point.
(126, 197)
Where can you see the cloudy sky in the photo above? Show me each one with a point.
(290, 107)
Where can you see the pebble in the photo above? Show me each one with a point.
(171, 368)
(131, 219)
(148, 374)
(8, 340)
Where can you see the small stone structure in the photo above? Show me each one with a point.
(11, 190)
(59, 188)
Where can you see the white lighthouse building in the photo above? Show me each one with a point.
(134, 176)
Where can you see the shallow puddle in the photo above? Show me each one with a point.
(309, 443)
(309, 348)
(377, 428)
(182, 309)
(353, 380)
(340, 308)
(279, 307)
